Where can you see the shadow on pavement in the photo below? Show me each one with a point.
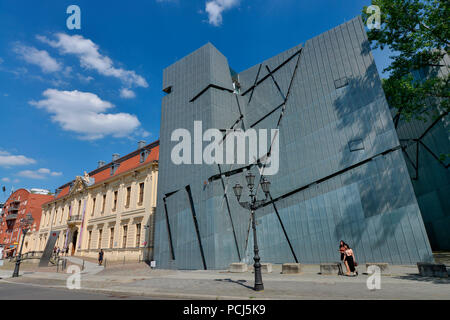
(417, 277)
(240, 282)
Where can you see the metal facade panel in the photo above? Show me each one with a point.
(323, 192)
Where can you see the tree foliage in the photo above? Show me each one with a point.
(418, 33)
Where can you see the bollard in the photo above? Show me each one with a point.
(104, 265)
(82, 268)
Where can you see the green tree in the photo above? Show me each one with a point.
(418, 32)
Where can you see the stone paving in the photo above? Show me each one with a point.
(138, 279)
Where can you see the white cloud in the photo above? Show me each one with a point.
(39, 174)
(6, 180)
(37, 57)
(127, 93)
(215, 8)
(85, 79)
(90, 58)
(9, 160)
(84, 113)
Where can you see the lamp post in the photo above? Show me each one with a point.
(25, 224)
(253, 205)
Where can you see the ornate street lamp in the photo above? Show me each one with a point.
(253, 205)
(25, 224)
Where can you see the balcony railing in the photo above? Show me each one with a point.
(11, 217)
(77, 218)
(13, 208)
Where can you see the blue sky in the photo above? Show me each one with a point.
(69, 98)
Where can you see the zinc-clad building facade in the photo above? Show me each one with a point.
(342, 174)
(423, 143)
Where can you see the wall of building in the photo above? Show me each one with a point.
(341, 173)
(27, 203)
(80, 212)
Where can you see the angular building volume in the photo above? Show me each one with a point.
(341, 172)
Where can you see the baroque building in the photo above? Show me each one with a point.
(111, 208)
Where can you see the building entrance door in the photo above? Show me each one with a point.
(74, 242)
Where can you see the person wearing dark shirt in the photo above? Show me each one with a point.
(100, 257)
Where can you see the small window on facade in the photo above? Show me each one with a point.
(144, 155)
(138, 235)
(115, 201)
(127, 204)
(100, 235)
(93, 206)
(104, 203)
(340, 83)
(111, 238)
(125, 234)
(114, 168)
(141, 193)
(89, 239)
(168, 89)
(356, 145)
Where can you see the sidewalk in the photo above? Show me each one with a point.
(138, 279)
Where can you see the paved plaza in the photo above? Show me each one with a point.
(137, 280)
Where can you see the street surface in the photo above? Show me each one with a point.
(16, 291)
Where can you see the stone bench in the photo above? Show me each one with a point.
(384, 267)
(291, 268)
(331, 268)
(238, 267)
(266, 267)
(432, 270)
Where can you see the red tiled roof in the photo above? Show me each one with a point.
(127, 163)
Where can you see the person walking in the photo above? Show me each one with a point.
(342, 249)
(350, 260)
(100, 257)
(342, 253)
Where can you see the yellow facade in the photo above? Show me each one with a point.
(116, 215)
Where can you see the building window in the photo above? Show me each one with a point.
(125, 234)
(62, 215)
(138, 235)
(100, 234)
(144, 156)
(356, 145)
(114, 168)
(111, 238)
(141, 193)
(127, 204)
(89, 239)
(79, 207)
(340, 83)
(93, 206)
(115, 201)
(104, 203)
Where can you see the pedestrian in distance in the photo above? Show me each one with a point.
(350, 260)
(342, 249)
(342, 253)
(100, 257)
